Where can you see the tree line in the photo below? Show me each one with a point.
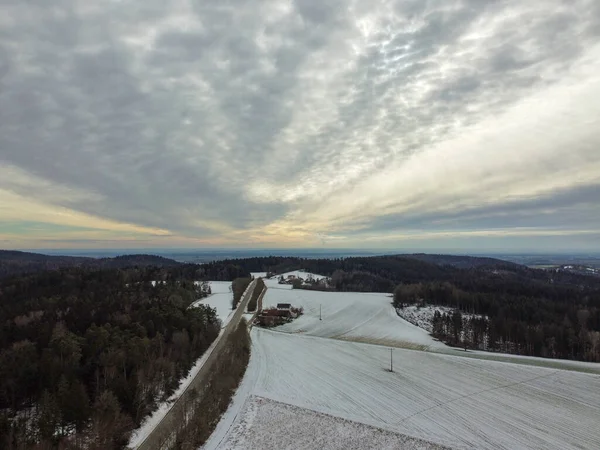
(253, 303)
(238, 287)
(13, 263)
(513, 316)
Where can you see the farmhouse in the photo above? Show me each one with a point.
(284, 312)
(284, 307)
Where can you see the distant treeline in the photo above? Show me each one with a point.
(18, 263)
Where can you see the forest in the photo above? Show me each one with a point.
(14, 263)
(512, 316)
(17, 263)
(86, 354)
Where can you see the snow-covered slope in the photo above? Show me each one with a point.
(350, 316)
(273, 283)
(220, 287)
(302, 274)
(220, 299)
(460, 402)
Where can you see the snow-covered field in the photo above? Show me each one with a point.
(302, 274)
(273, 283)
(350, 316)
(267, 424)
(220, 287)
(220, 299)
(450, 400)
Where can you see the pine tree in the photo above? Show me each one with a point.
(48, 417)
(78, 410)
(109, 424)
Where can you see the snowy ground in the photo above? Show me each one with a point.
(220, 287)
(302, 274)
(267, 424)
(459, 402)
(350, 316)
(273, 283)
(422, 316)
(220, 299)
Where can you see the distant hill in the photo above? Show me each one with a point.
(463, 262)
(15, 262)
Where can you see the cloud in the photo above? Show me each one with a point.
(283, 122)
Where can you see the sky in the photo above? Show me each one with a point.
(404, 124)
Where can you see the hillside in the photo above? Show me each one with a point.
(463, 262)
(16, 263)
(384, 273)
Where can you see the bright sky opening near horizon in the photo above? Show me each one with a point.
(272, 123)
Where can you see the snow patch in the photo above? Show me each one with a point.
(268, 424)
(302, 274)
(220, 299)
(422, 316)
(222, 303)
(273, 282)
(220, 287)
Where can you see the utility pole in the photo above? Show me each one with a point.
(391, 360)
(320, 317)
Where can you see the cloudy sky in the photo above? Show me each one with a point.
(404, 124)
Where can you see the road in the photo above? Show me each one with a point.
(163, 430)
